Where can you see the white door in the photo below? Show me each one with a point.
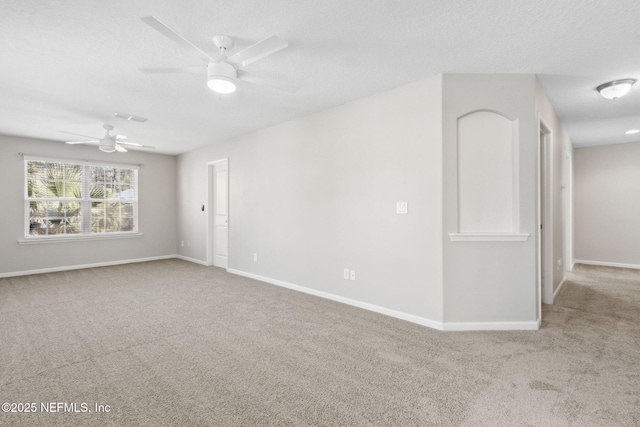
(221, 214)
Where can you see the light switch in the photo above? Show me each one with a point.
(402, 208)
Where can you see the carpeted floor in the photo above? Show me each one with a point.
(174, 343)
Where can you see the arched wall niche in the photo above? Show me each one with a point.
(488, 188)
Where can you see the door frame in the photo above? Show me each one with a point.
(209, 207)
(545, 218)
(567, 211)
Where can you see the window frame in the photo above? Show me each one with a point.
(85, 201)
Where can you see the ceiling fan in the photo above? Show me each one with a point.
(108, 143)
(222, 71)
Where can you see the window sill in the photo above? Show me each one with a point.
(489, 237)
(77, 238)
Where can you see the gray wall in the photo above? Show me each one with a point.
(567, 194)
(560, 183)
(490, 281)
(318, 194)
(156, 210)
(607, 204)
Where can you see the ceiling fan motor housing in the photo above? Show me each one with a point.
(221, 77)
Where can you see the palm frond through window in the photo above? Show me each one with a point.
(68, 198)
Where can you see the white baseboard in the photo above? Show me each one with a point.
(492, 326)
(371, 307)
(195, 261)
(442, 326)
(81, 266)
(607, 264)
(446, 326)
(557, 291)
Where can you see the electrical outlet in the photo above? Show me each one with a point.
(352, 275)
(255, 256)
(182, 243)
(402, 207)
(559, 264)
(346, 274)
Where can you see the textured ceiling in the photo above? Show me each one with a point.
(69, 65)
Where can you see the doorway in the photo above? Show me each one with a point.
(218, 213)
(545, 224)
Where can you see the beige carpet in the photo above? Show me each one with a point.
(174, 343)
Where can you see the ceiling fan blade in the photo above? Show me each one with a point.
(121, 149)
(258, 51)
(133, 144)
(170, 70)
(81, 142)
(77, 134)
(265, 81)
(163, 29)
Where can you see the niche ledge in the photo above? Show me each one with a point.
(489, 237)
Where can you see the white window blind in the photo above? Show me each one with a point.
(72, 198)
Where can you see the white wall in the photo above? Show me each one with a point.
(156, 210)
(318, 194)
(492, 282)
(607, 204)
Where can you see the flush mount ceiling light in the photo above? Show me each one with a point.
(221, 77)
(632, 131)
(616, 88)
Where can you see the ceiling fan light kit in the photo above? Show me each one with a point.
(616, 89)
(223, 71)
(108, 143)
(221, 77)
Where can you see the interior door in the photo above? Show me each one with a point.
(221, 214)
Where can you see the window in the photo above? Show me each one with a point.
(67, 198)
